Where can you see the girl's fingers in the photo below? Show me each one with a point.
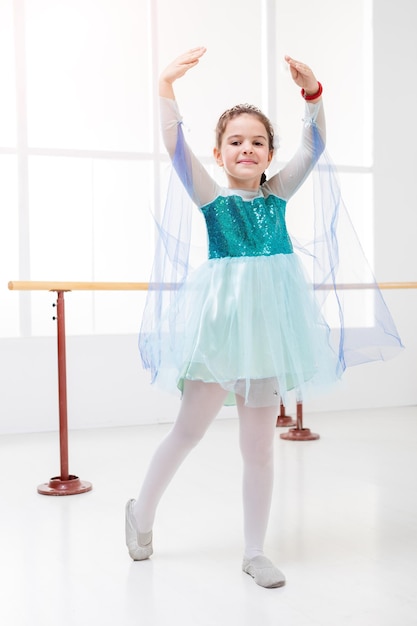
(297, 65)
(193, 54)
(186, 61)
(199, 50)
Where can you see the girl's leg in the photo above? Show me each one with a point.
(199, 406)
(257, 437)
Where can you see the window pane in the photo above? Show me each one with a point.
(89, 220)
(335, 39)
(61, 220)
(88, 74)
(123, 223)
(358, 196)
(357, 193)
(118, 312)
(7, 76)
(90, 87)
(9, 247)
(229, 73)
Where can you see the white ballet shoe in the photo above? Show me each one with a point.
(138, 544)
(264, 572)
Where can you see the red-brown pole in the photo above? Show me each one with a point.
(299, 433)
(66, 484)
(62, 386)
(300, 415)
(283, 419)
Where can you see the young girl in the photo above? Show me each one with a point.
(244, 328)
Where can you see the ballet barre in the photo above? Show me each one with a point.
(45, 285)
(69, 484)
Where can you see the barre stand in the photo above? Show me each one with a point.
(283, 420)
(299, 433)
(68, 484)
(65, 484)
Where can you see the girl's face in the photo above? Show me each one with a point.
(244, 152)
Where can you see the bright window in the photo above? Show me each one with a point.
(82, 168)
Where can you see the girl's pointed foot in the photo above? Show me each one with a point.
(138, 544)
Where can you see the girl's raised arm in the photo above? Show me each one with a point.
(202, 187)
(176, 69)
(286, 182)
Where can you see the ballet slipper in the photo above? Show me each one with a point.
(138, 544)
(264, 572)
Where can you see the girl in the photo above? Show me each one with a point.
(244, 328)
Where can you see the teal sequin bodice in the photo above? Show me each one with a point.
(238, 227)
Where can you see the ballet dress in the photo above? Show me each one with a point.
(247, 318)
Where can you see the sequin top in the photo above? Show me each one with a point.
(238, 227)
(242, 222)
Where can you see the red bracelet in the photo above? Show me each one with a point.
(312, 96)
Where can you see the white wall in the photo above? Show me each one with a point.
(106, 385)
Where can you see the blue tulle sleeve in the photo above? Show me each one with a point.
(362, 328)
(171, 262)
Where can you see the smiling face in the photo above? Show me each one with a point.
(244, 150)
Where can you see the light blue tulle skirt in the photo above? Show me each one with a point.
(250, 324)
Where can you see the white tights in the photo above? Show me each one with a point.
(199, 406)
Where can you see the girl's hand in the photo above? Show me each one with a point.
(177, 68)
(303, 76)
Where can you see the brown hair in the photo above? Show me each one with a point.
(239, 109)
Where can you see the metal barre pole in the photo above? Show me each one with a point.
(65, 484)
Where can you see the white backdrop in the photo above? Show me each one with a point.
(86, 210)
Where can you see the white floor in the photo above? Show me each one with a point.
(343, 529)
